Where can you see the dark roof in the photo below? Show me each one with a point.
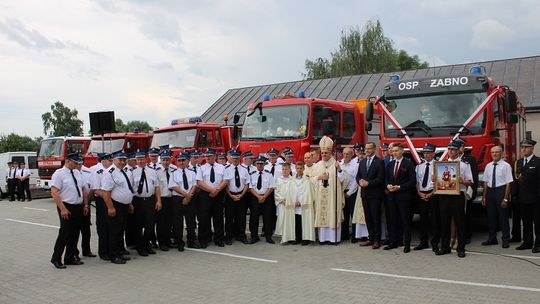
(522, 74)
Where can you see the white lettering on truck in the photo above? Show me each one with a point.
(410, 85)
(445, 82)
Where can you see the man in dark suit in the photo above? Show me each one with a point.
(370, 178)
(400, 180)
(525, 192)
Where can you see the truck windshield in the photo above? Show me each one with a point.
(276, 123)
(175, 138)
(110, 145)
(51, 147)
(437, 115)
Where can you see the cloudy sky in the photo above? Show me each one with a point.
(164, 59)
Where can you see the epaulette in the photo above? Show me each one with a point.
(157, 168)
(173, 169)
(85, 171)
(191, 169)
(227, 166)
(254, 172)
(111, 170)
(464, 161)
(99, 171)
(267, 171)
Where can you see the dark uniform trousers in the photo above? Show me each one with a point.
(68, 235)
(133, 235)
(165, 221)
(516, 221)
(372, 212)
(102, 227)
(400, 216)
(145, 214)
(181, 212)
(254, 214)
(24, 189)
(497, 216)
(452, 206)
(530, 214)
(85, 233)
(210, 208)
(12, 188)
(430, 219)
(269, 215)
(235, 217)
(117, 225)
(347, 214)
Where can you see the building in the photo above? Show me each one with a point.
(522, 74)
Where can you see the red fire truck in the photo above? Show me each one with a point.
(111, 142)
(192, 133)
(52, 155)
(299, 122)
(441, 108)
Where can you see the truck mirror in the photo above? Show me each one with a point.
(326, 112)
(235, 132)
(236, 118)
(368, 126)
(328, 127)
(202, 139)
(261, 118)
(484, 119)
(512, 118)
(511, 101)
(369, 111)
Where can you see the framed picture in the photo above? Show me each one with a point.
(446, 177)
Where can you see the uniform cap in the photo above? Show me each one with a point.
(339, 149)
(234, 154)
(454, 144)
(221, 155)
(527, 142)
(273, 152)
(248, 154)
(140, 154)
(153, 152)
(384, 147)
(182, 156)
(260, 160)
(166, 154)
(429, 148)
(209, 152)
(72, 156)
(119, 154)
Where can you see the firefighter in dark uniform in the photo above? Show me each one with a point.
(262, 188)
(235, 203)
(526, 193)
(102, 228)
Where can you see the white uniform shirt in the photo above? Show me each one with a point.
(64, 182)
(267, 181)
(10, 172)
(96, 175)
(230, 176)
(177, 180)
(420, 170)
(503, 174)
(86, 177)
(278, 172)
(464, 172)
(163, 182)
(148, 187)
(351, 168)
(203, 174)
(115, 182)
(23, 173)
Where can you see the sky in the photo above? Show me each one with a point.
(165, 59)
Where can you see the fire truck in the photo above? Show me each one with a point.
(299, 122)
(52, 155)
(190, 133)
(111, 142)
(441, 108)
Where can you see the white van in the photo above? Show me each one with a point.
(28, 157)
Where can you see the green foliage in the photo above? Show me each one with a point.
(61, 121)
(142, 126)
(14, 142)
(362, 52)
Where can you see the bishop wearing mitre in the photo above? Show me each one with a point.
(329, 181)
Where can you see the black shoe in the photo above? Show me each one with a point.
(524, 246)
(125, 258)
(181, 247)
(29, 199)
(385, 242)
(142, 252)
(154, 245)
(118, 260)
(407, 249)
(489, 242)
(505, 244)
(219, 244)
(228, 242)
(89, 255)
(467, 241)
(270, 240)
(244, 241)
(73, 262)
(443, 251)
(192, 245)
(422, 245)
(150, 251)
(305, 243)
(461, 253)
(203, 245)
(164, 248)
(105, 257)
(58, 265)
(434, 247)
(254, 240)
(390, 247)
(354, 240)
(536, 249)
(515, 239)
(124, 252)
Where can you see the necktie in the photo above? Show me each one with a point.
(142, 181)
(167, 174)
(14, 170)
(127, 180)
(22, 171)
(9, 175)
(259, 181)
(272, 170)
(524, 162)
(184, 180)
(76, 185)
(212, 174)
(426, 176)
(396, 170)
(494, 178)
(236, 177)
(368, 162)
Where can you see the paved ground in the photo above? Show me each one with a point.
(285, 274)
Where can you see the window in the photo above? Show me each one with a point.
(348, 124)
(19, 159)
(206, 138)
(32, 162)
(218, 138)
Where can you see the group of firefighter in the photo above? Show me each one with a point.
(145, 202)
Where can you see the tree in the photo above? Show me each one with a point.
(362, 52)
(62, 121)
(130, 126)
(14, 142)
